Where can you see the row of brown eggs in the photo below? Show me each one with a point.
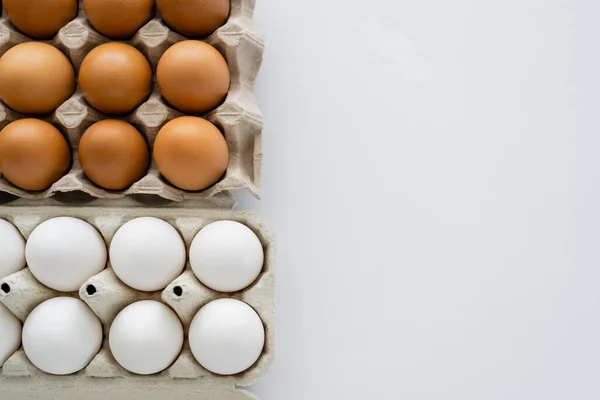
(190, 153)
(115, 78)
(117, 19)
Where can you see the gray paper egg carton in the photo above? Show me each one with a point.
(239, 117)
(103, 377)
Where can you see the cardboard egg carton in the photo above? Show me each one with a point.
(107, 296)
(238, 117)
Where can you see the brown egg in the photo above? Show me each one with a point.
(191, 153)
(33, 154)
(194, 18)
(35, 78)
(113, 154)
(40, 19)
(118, 19)
(193, 76)
(115, 78)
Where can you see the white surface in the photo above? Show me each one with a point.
(147, 253)
(226, 336)
(12, 249)
(10, 334)
(62, 253)
(146, 337)
(62, 335)
(226, 256)
(432, 171)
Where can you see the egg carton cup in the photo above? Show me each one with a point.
(238, 117)
(106, 295)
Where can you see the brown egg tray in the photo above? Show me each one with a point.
(238, 117)
(104, 378)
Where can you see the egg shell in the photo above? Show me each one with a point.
(194, 18)
(63, 252)
(35, 78)
(10, 334)
(193, 76)
(12, 249)
(226, 256)
(191, 153)
(61, 336)
(146, 337)
(40, 19)
(115, 78)
(226, 336)
(113, 154)
(118, 19)
(147, 253)
(33, 154)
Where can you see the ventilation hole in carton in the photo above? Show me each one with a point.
(90, 289)
(5, 288)
(178, 291)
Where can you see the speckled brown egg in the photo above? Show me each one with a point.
(193, 76)
(35, 78)
(115, 78)
(194, 18)
(113, 154)
(33, 154)
(40, 19)
(191, 153)
(118, 19)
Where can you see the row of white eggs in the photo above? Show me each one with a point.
(62, 335)
(146, 253)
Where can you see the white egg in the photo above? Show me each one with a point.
(147, 253)
(10, 334)
(12, 249)
(64, 252)
(146, 337)
(226, 256)
(62, 335)
(226, 336)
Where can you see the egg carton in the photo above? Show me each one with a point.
(238, 117)
(106, 295)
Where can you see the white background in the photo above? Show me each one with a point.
(432, 169)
